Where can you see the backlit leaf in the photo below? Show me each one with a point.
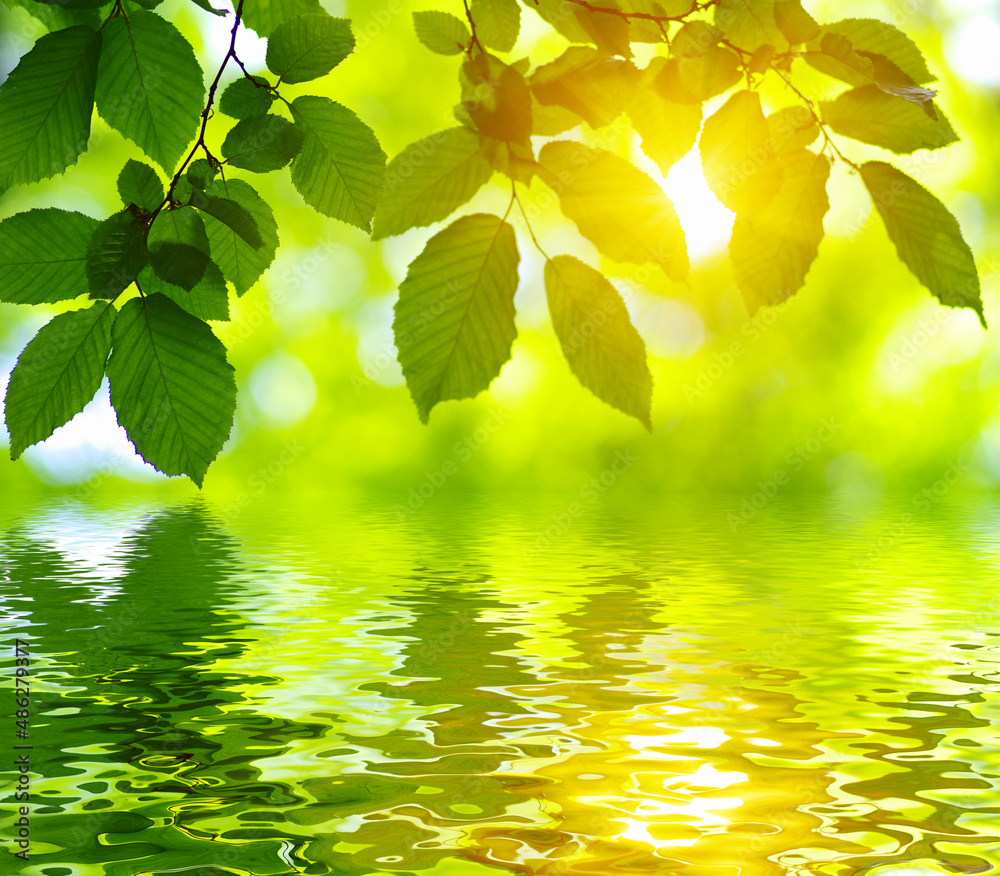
(115, 255)
(32, 271)
(623, 212)
(880, 37)
(46, 105)
(498, 23)
(870, 115)
(241, 263)
(243, 98)
(57, 373)
(207, 299)
(739, 166)
(772, 251)
(231, 214)
(496, 99)
(263, 16)
(748, 24)
(139, 184)
(340, 168)
(429, 179)
(308, 46)
(926, 236)
(171, 386)
(668, 130)
(442, 32)
(593, 86)
(454, 321)
(795, 24)
(178, 246)
(149, 85)
(262, 143)
(597, 337)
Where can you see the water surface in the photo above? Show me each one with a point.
(509, 687)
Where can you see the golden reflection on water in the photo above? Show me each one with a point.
(372, 698)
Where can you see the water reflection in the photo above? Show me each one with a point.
(341, 692)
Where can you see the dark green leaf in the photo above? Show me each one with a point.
(32, 271)
(926, 235)
(200, 173)
(57, 17)
(870, 115)
(171, 386)
(208, 7)
(441, 32)
(772, 252)
(736, 156)
(890, 79)
(207, 299)
(230, 214)
(496, 99)
(262, 143)
(45, 106)
(149, 85)
(139, 184)
(588, 83)
(115, 255)
(498, 23)
(179, 247)
(308, 46)
(58, 372)
(454, 322)
(428, 180)
(623, 212)
(241, 263)
(340, 168)
(597, 337)
(263, 16)
(243, 99)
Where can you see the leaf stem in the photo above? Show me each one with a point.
(207, 112)
(527, 223)
(472, 27)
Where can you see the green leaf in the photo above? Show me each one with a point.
(243, 99)
(149, 85)
(441, 32)
(263, 16)
(45, 106)
(498, 23)
(57, 373)
(772, 252)
(791, 128)
(795, 24)
(207, 299)
(179, 247)
(496, 99)
(890, 79)
(428, 180)
(31, 270)
(241, 263)
(668, 130)
(236, 217)
(208, 7)
(870, 115)
(171, 386)
(308, 46)
(926, 235)
(200, 174)
(698, 68)
(340, 168)
(597, 337)
(115, 255)
(588, 83)
(262, 143)
(623, 212)
(748, 24)
(454, 321)
(139, 184)
(738, 163)
(57, 17)
(871, 35)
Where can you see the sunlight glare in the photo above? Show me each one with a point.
(706, 223)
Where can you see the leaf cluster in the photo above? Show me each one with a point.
(160, 268)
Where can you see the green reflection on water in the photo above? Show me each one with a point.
(505, 688)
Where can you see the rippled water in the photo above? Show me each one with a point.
(517, 687)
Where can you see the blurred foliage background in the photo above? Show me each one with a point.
(860, 384)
